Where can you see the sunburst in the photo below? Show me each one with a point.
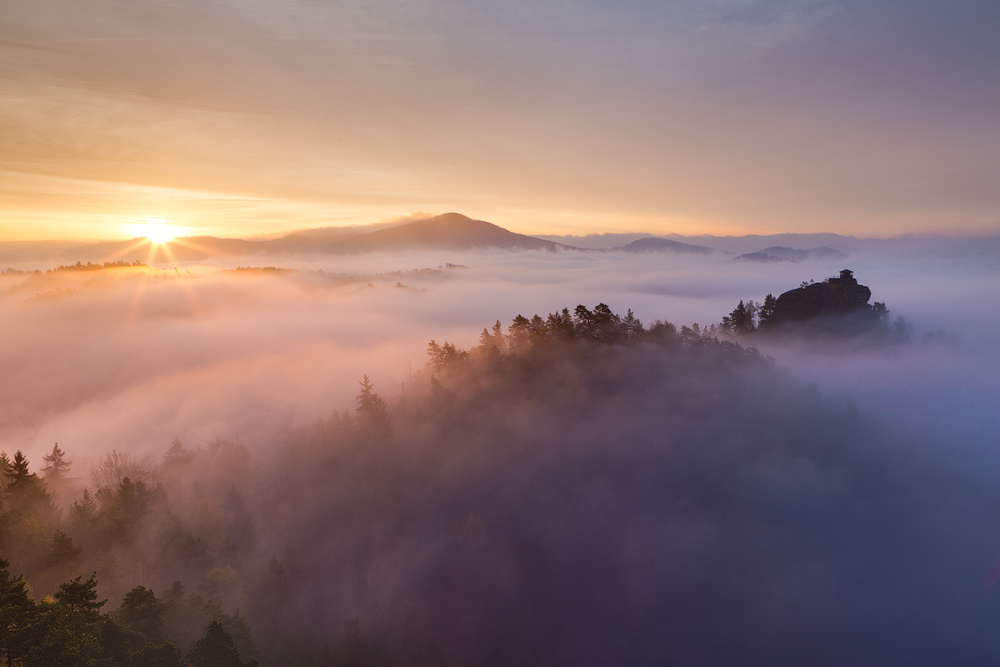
(157, 230)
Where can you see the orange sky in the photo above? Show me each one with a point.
(265, 117)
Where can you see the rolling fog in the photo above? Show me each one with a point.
(133, 359)
(847, 504)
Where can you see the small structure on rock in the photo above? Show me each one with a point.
(835, 296)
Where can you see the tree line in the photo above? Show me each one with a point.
(198, 550)
(598, 326)
(750, 318)
(177, 549)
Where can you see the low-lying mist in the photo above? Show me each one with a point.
(676, 500)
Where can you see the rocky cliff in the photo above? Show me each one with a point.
(836, 296)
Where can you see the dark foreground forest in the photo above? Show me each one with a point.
(575, 490)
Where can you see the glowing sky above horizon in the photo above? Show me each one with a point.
(571, 116)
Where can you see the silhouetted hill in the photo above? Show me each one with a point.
(761, 257)
(734, 244)
(785, 254)
(320, 239)
(453, 231)
(594, 241)
(799, 254)
(450, 231)
(12, 252)
(768, 242)
(655, 244)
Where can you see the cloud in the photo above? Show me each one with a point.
(677, 117)
(200, 339)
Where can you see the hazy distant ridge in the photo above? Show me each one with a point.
(455, 232)
(655, 244)
(450, 231)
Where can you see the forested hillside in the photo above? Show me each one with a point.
(576, 489)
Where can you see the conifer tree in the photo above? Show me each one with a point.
(141, 612)
(84, 509)
(25, 493)
(520, 333)
(57, 466)
(633, 326)
(215, 649)
(765, 315)
(537, 330)
(81, 597)
(560, 325)
(439, 398)
(741, 320)
(584, 321)
(6, 470)
(62, 552)
(373, 412)
(177, 455)
(487, 348)
(17, 612)
(498, 338)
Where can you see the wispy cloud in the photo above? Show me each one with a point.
(739, 115)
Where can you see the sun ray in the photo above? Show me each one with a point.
(156, 234)
(133, 311)
(191, 245)
(159, 239)
(151, 255)
(168, 253)
(124, 251)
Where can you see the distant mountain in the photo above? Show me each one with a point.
(14, 252)
(655, 244)
(760, 257)
(604, 241)
(785, 254)
(450, 231)
(798, 254)
(320, 239)
(757, 242)
(456, 232)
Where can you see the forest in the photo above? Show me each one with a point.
(869, 324)
(575, 489)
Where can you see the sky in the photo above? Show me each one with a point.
(259, 117)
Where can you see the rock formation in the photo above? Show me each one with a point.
(836, 296)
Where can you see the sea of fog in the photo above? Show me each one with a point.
(131, 359)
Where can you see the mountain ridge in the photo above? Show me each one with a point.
(448, 231)
(456, 232)
(657, 244)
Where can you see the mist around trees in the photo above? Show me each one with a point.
(580, 488)
(870, 326)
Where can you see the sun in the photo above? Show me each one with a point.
(155, 229)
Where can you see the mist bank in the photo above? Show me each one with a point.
(680, 500)
(134, 357)
(576, 488)
(676, 500)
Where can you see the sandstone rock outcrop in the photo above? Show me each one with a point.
(836, 296)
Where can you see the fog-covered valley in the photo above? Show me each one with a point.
(143, 355)
(675, 500)
(489, 334)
